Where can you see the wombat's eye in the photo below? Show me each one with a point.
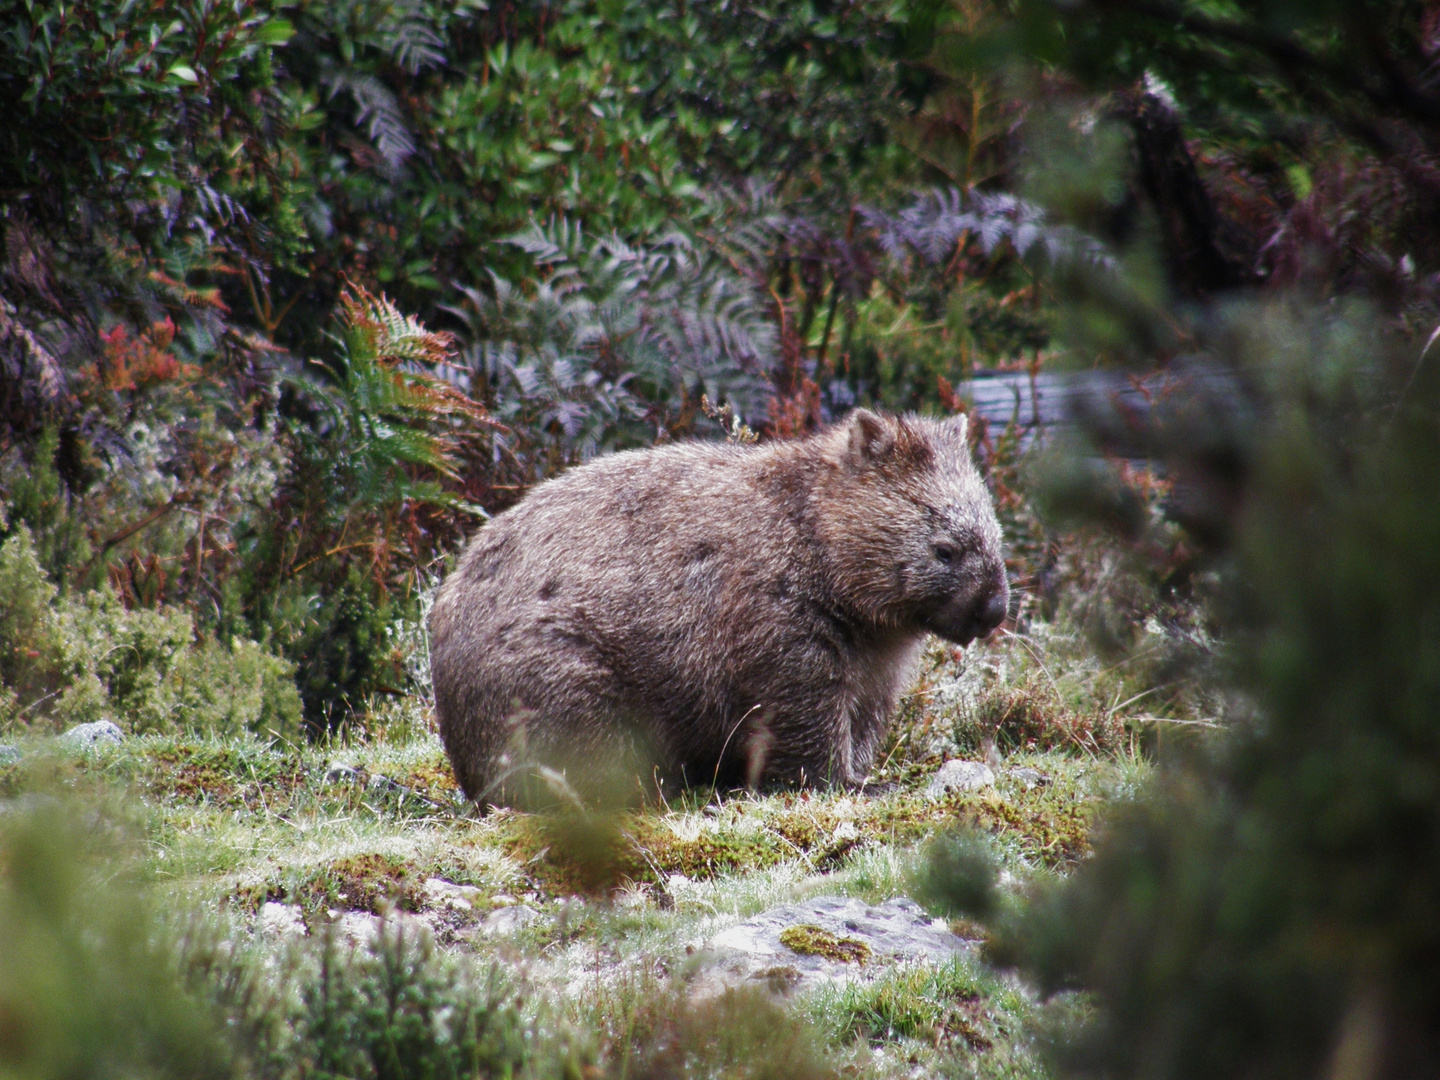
(945, 553)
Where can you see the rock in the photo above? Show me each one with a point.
(280, 921)
(505, 921)
(440, 893)
(1031, 778)
(959, 776)
(89, 736)
(358, 928)
(340, 773)
(377, 785)
(9, 755)
(678, 889)
(828, 939)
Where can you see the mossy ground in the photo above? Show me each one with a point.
(232, 823)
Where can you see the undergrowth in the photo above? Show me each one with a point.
(597, 980)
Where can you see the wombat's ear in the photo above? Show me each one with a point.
(870, 438)
(956, 427)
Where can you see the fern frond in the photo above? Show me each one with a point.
(397, 410)
(378, 111)
(569, 353)
(413, 43)
(937, 222)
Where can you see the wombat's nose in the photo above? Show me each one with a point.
(991, 614)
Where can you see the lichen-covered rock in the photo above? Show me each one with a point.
(446, 895)
(960, 776)
(829, 938)
(280, 921)
(341, 773)
(1030, 778)
(89, 736)
(508, 920)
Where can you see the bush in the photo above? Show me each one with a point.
(398, 1009)
(29, 645)
(1266, 907)
(90, 658)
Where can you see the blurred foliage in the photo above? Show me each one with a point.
(1264, 906)
(89, 984)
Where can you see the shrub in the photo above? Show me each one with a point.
(89, 657)
(29, 641)
(96, 982)
(398, 1009)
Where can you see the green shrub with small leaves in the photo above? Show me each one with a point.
(89, 658)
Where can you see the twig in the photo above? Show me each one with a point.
(1206, 723)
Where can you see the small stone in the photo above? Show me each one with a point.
(678, 887)
(507, 920)
(446, 894)
(1031, 778)
(959, 776)
(88, 736)
(383, 785)
(280, 921)
(341, 773)
(9, 755)
(846, 830)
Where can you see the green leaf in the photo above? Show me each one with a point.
(183, 72)
(275, 32)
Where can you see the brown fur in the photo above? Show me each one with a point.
(740, 612)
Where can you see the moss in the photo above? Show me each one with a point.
(1049, 826)
(435, 780)
(233, 775)
(809, 940)
(369, 882)
(566, 857)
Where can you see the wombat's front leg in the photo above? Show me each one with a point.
(834, 751)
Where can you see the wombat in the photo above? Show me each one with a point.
(741, 613)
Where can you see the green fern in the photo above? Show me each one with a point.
(401, 420)
(613, 345)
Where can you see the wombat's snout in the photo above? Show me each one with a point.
(965, 619)
(992, 613)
